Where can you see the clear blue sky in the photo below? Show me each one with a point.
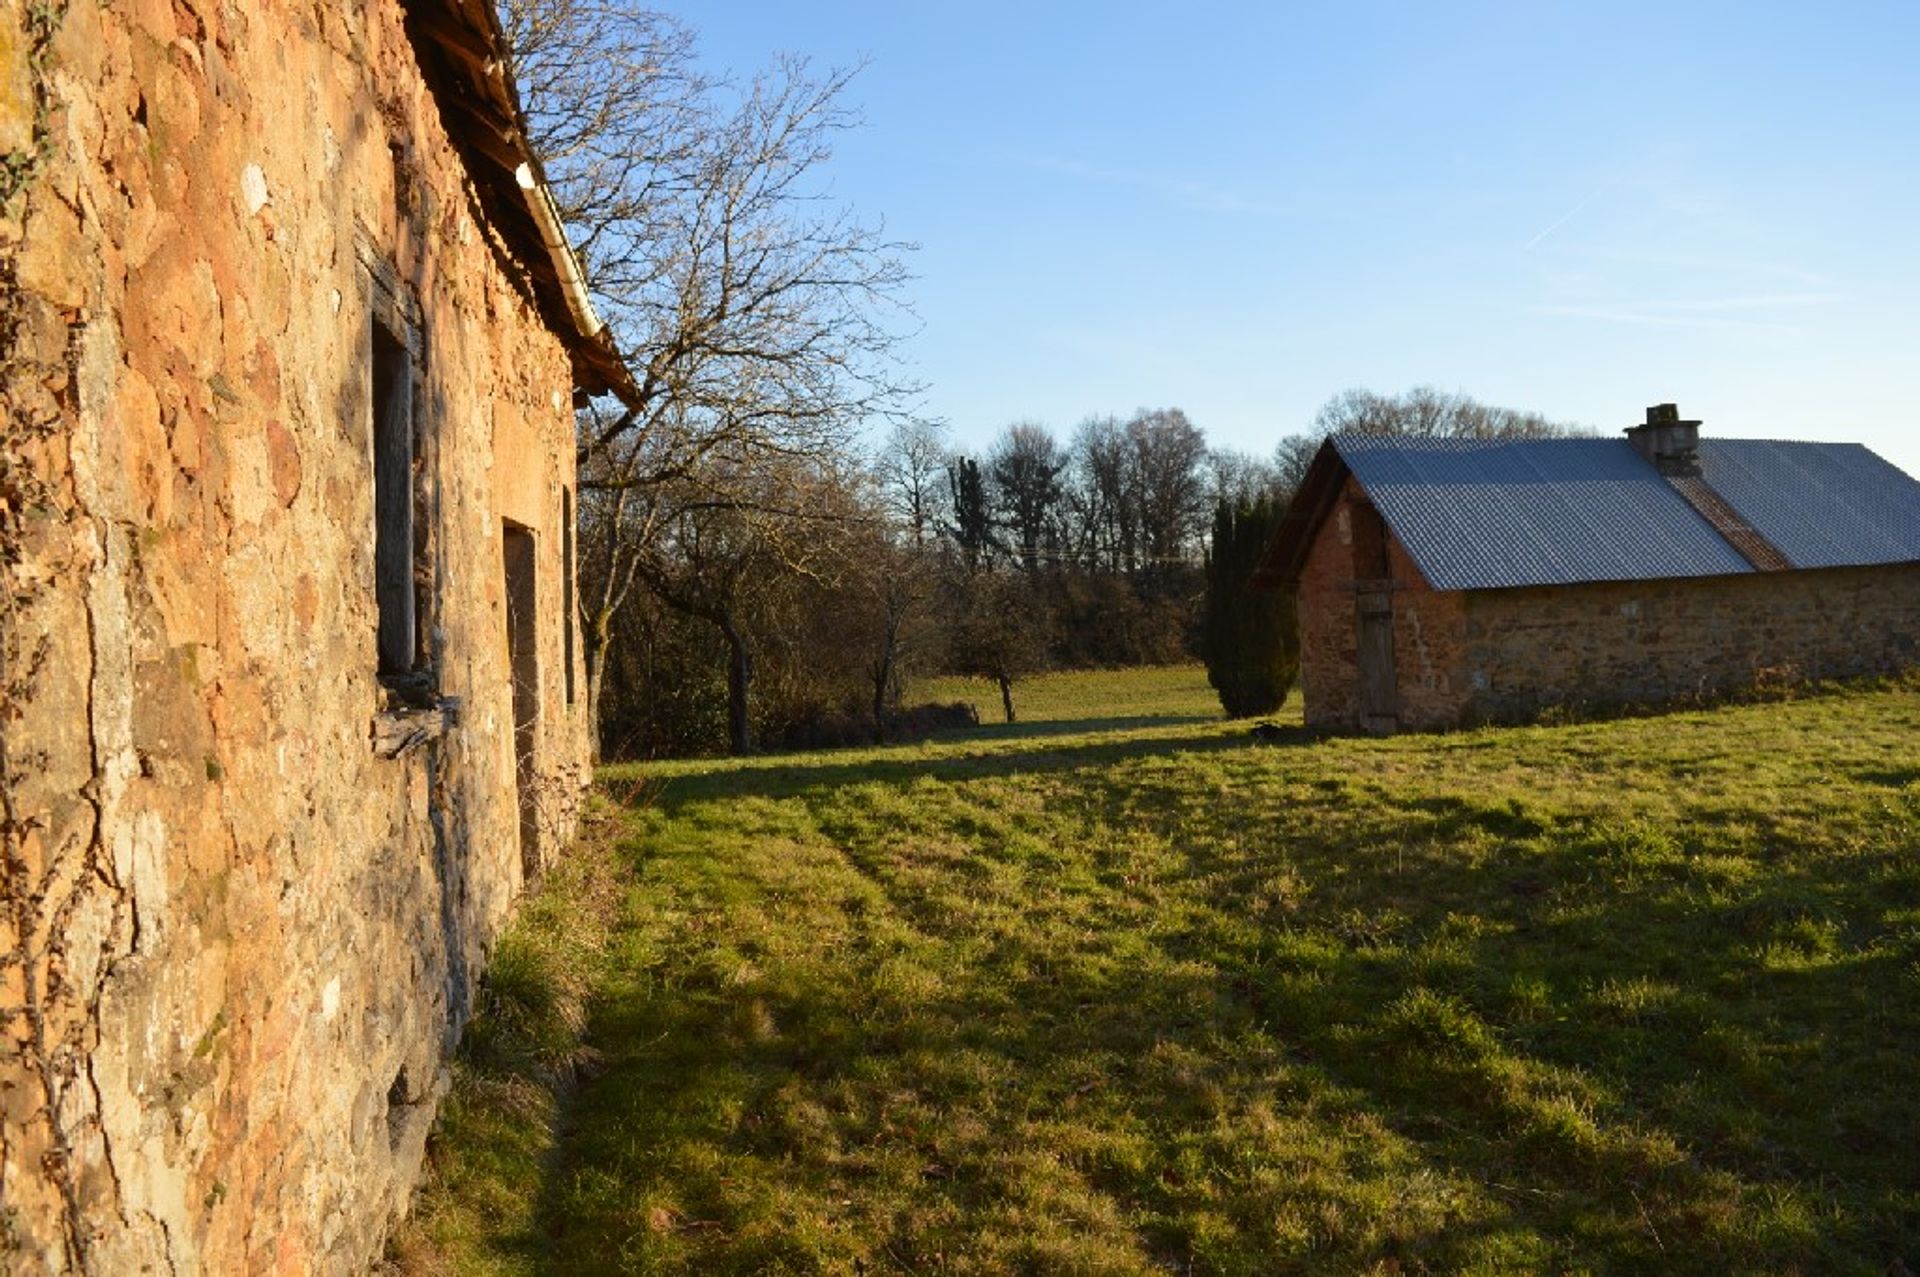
(1239, 210)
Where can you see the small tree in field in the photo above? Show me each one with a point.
(1252, 647)
(999, 633)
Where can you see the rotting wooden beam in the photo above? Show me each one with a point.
(493, 137)
(459, 40)
(398, 732)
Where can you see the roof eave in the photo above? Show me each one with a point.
(480, 108)
(1286, 553)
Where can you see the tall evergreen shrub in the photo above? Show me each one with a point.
(1252, 644)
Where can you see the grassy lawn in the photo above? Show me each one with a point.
(1056, 700)
(1116, 997)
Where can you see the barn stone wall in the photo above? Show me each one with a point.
(1504, 655)
(1646, 642)
(1429, 629)
(236, 944)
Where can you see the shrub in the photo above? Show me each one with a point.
(1252, 646)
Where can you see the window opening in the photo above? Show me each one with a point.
(394, 545)
(519, 557)
(566, 583)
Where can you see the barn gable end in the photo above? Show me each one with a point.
(1380, 649)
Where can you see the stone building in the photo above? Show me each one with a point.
(293, 703)
(1450, 581)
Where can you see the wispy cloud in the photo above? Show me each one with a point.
(1761, 301)
(1569, 215)
(1726, 267)
(1747, 312)
(1181, 192)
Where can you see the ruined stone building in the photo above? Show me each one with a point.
(293, 703)
(1449, 581)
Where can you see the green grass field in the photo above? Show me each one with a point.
(1094, 995)
(1069, 701)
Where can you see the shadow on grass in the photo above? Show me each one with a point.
(1454, 1030)
(996, 731)
(798, 776)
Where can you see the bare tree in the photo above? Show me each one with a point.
(1025, 467)
(723, 545)
(1425, 411)
(999, 631)
(911, 471)
(1422, 411)
(1104, 512)
(893, 585)
(1237, 478)
(1292, 457)
(620, 114)
(1167, 453)
(760, 318)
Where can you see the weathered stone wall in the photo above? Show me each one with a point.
(236, 944)
(1646, 642)
(1501, 655)
(1429, 629)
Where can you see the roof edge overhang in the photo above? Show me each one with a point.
(1748, 573)
(1286, 553)
(463, 50)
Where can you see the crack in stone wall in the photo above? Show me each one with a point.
(43, 1032)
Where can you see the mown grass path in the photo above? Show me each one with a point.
(1638, 996)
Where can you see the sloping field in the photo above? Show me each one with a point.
(1638, 996)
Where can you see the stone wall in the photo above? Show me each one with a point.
(1646, 642)
(237, 945)
(1504, 655)
(1429, 628)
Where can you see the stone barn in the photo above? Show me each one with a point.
(292, 704)
(1451, 581)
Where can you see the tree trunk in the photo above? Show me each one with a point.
(1006, 694)
(884, 669)
(882, 674)
(599, 642)
(739, 677)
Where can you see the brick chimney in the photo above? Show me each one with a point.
(1671, 444)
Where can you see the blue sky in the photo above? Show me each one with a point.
(1240, 210)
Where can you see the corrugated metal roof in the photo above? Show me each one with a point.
(1484, 514)
(1822, 505)
(1481, 514)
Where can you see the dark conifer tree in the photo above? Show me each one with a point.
(972, 527)
(1252, 646)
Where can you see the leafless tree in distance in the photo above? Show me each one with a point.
(760, 317)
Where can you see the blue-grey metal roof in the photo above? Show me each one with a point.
(1483, 514)
(1486, 513)
(1822, 505)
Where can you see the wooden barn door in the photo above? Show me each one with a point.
(1379, 690)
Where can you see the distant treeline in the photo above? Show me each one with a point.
(800, 616)
(749, 574)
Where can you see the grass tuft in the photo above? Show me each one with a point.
(523, 1056)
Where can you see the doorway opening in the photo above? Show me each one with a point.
(523, 660)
